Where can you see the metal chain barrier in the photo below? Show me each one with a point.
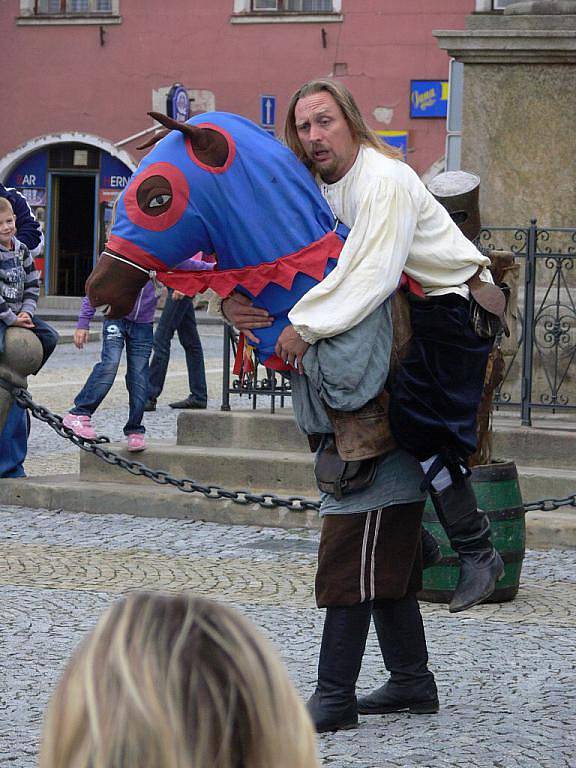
(266, 500)
(549, 505)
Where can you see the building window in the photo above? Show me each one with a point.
(298, 6)
(487, 6)
(50, 7)
(271, 11)
(69, 12)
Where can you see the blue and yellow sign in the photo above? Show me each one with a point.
(395, 139)
(428, 98)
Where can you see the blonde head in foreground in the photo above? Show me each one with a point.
(175, 682)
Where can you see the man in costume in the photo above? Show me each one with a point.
(204, 187)
(396, 226)
(219, 184)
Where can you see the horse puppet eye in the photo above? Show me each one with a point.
(160, 201)
(156, 198)
(154, 195)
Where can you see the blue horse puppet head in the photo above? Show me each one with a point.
(221, 185)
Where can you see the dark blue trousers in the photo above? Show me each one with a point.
(435, 394)
(14, 443)
(178, 316)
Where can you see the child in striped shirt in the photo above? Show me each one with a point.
(19, 286)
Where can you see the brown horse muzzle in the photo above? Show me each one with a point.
(115, 285)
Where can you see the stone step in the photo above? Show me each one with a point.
(68, 313)
(72, 493)
(228, 467)
(274, 471)
(527, 446)
(545, 530)
(545, 483)
(531, 446)
(253, 430)
(71, 303)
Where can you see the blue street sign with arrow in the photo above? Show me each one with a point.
(267, 111)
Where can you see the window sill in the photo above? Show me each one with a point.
(72, 20)
(285, 18)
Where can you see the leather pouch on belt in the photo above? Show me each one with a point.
(487, 308)
(365, 433)
(338, 477)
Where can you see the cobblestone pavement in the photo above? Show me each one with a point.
(506, 673)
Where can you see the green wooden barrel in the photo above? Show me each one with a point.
(498, 493)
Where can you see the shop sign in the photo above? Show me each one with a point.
(178, 103)
(34, 196)
(114, 176)
(428, 98)
(30, 173)
(397, 139)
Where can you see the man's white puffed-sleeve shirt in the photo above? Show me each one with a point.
(395, 225)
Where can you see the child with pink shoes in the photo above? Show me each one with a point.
(135, 332)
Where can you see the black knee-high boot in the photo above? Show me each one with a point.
(333, 705)
(411, 686)
(469, 532)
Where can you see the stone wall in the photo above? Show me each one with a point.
(519, 137)
(519, 104)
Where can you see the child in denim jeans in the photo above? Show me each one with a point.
(135, 331)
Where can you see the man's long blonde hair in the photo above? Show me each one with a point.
(176, 682)
(342, 96)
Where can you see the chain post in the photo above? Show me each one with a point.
(528, 329)
(226, 341)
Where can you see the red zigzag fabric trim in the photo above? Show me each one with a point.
(310, 261)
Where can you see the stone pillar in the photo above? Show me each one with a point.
(519, 108)
(22, 356)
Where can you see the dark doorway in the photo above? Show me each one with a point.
(73, 233)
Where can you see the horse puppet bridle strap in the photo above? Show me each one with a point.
(150, 272)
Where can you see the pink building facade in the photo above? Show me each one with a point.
(80, 75)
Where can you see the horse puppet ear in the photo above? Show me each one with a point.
(209, 145)
(154, 139)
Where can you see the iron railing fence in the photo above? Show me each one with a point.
(540, 352)
(263, 382)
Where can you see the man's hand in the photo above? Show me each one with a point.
(80, 337)
(238, 309)
(177, 295)
(23, 320)
(290, 348)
